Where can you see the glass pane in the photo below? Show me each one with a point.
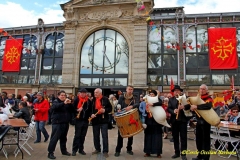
(170, 61)
(192, 80)
(204, 79)
(203, 61)
(217, 79)
(95, 82)
(108, 53)
(190, 40)
(33, 44)
(24, 64)
(57, 79)
(59, 45)
(48, 48)
(9, 79)
(47, 63)
(238, 39)
(86, 66)
(2, 46)
(167, 79)
(25, 52)
(58, 64)
(154, 80)
(154, 41)
(169, 40)
(155, 61)
(108, 82)
(22, 79)
(202, 38)
(85, 81)
(120, 81)
(99, 34)
(191, 61)
(31, 80)
(121, 58)
(44, 79)
(0, 64)
(32, 64)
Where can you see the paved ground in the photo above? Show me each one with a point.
(40, 149)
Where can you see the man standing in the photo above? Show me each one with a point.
(128, 102)
(82, 106)
(61, 110)
(203, 128)
(101, 107)
(179, 123)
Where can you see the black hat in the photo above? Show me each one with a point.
(154, 92)
(177, 87)
(82, 90)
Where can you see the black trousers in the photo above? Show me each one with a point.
(203, 140)
(81, 128)
(96, 137)
(120, 143)
(59, 132)
(179, 128)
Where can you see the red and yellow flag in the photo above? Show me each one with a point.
(222, 48)
(12, 55)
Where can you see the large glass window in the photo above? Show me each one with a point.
(52, 59)
(104, 59)
(162, 54)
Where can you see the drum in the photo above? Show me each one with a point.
(128, 123)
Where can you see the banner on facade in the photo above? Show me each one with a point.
(12, 55)
(222, 48)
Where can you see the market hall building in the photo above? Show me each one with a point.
(113, 43)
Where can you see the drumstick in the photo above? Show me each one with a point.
(90, 118)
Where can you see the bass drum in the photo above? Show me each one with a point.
(128, 123)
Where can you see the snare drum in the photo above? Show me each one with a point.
(129, 123)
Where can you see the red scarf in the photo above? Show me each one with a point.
(98, 104)
(81, 101)
(206, 98)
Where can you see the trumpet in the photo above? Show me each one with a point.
(78, 115)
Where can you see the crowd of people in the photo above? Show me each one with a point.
(99, 110)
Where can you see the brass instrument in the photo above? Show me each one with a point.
(78, 115)
(90, 118)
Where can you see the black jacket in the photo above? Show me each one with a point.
(24, 114)
(121, 101)
(101, 118)
(60, 112)
(172, 105)
(85, 113)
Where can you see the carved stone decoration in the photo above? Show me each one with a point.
(104, 14)
(69, 13)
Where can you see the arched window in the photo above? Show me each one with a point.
(52, 59)
(104, 59)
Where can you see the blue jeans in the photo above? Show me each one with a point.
(40, 127)
(96, 137)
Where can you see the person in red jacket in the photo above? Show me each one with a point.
(41, 108)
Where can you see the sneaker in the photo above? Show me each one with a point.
(95, 152)
(105, 154)
(117, 154)
(130, 152)
(51, 156)
(82, 152)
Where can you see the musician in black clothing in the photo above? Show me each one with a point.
(179, 123)
(128, 102)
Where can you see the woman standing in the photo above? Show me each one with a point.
(153, 132)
